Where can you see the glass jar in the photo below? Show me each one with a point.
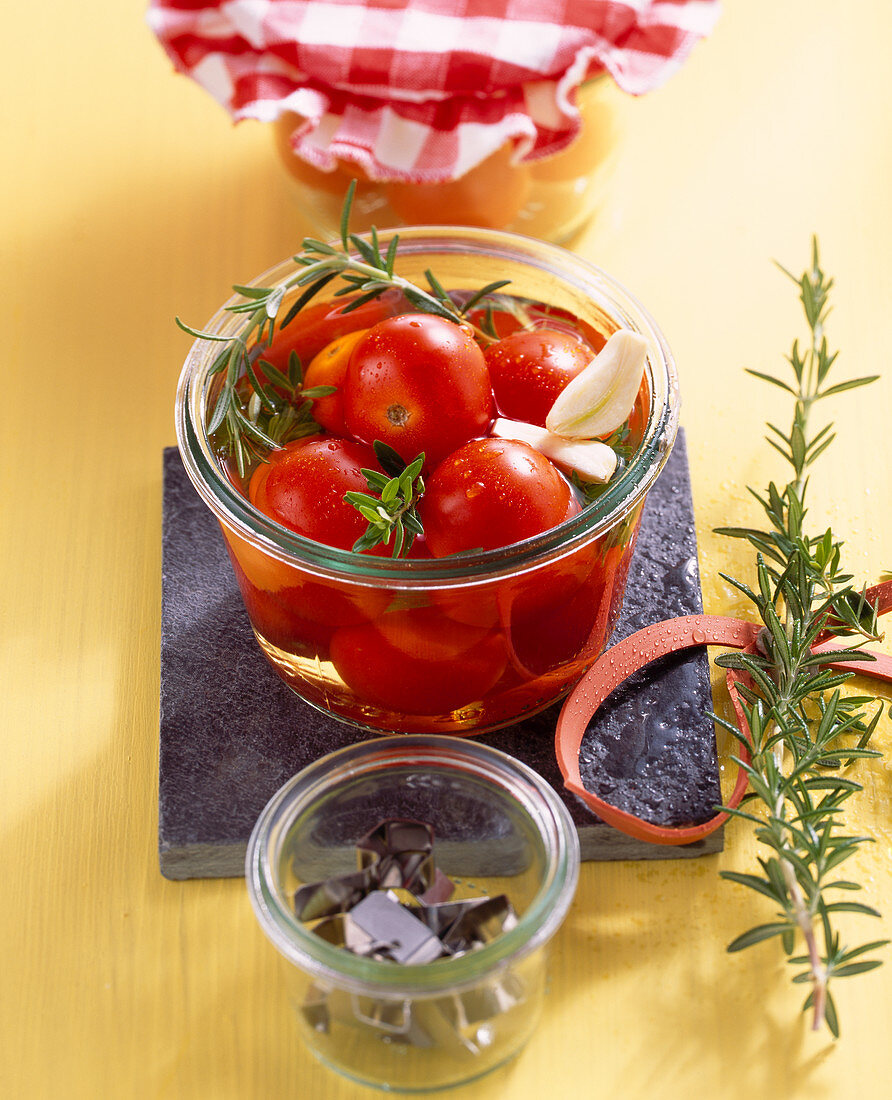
(470, 642)
(552, 198)
(499, 829)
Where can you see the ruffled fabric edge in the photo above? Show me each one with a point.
(429, 140)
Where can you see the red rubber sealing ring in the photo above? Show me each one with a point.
(619, 662)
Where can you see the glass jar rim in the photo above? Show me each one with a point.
(535, 926)
(234, 510)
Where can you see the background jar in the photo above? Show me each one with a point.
(498, 828)
(552, 198)
(478, 640)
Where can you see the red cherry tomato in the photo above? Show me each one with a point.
(418, 383)
(529, 369)
(490, 493)
(569, 629)
(534, 316)
(318, 324)
(418, 661)
(273, 617)
(303, 487)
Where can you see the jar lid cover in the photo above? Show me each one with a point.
(424, 90)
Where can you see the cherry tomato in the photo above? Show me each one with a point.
(529, 370)
(476, 605)
(303, 486)
(329, 368)
(318, 324)
(308, 614)
(418, 383)
(490, 493)
(418, 661)
(274, 617)
(534, 316)
(257, 485)
(260, 569)
(292, 610)
(542, 639)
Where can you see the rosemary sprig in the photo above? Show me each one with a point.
(366, 273)
(804, 733)
(621, 444)
(389, 506)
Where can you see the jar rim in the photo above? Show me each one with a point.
(535, 926)
(236, 512)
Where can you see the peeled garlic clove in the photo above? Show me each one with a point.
(599, 399)
(517, 429)
(589, 459)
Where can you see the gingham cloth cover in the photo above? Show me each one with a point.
(423, 90)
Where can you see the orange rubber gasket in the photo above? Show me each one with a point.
(619, 662)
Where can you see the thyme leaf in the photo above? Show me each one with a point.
(390, 504)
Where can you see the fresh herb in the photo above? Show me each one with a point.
(621, 443)
(529, 315)
(240, 411)
(804, 733)
(389, 506)
(257, 408)
(368, 272)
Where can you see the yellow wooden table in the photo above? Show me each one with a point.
(127, 198)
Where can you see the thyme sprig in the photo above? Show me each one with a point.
(804, 733)
(390, 504)
(366, 273)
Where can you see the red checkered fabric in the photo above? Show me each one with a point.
(423, 90)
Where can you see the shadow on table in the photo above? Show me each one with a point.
(732, 1023)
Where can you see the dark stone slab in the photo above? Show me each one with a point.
(232, 732)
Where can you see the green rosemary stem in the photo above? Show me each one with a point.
(805, 920)
(800, 722)
(365, 272)
(802, 913)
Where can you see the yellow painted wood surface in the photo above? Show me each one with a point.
(127, 197)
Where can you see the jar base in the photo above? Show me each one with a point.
(316, 682)
(416, 1090)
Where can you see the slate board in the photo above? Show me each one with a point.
(232, 733)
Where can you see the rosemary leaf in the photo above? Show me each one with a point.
(365, 274)
(800, 723)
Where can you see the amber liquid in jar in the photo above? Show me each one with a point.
(551, 199)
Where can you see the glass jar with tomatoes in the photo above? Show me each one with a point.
(510, 574)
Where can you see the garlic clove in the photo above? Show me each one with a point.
(590, 459)
(518, 429)
(599, 399)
